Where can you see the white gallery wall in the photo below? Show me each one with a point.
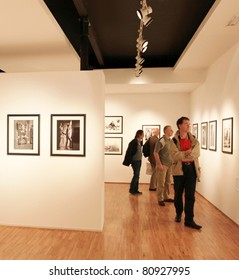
(217, 99)
(137, 110)
(53, 191)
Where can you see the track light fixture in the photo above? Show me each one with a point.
(141, 44)
(145, 11)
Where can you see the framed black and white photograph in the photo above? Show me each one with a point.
(113, 124)
(204, 131)
(212, 135)
(113, 145)
(23, 134)
(149, 131)
(68, 135)
(195, 130)
(227, 135)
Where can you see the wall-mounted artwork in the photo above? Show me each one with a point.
(204, 135)
(149, 131)
(68, 135)
(195, 130)
(23, 134)
(213, 135)
(227, 135)
(113, 124)
(113, 145)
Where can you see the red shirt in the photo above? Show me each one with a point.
(185, 144)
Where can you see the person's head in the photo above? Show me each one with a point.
(156, 132)
(183, 124)
(139, 134)
(168, 131)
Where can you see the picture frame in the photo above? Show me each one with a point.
(204, 136)
(68, 136)
(149, 131)
(23, 134)
(113, 145)
(227, 135)
(213, 135)
(195, 130)
(113, 124)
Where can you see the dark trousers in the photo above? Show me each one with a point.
(134, 185)
(187, 184)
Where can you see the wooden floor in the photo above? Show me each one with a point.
(135, 228)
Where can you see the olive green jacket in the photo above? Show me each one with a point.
(178, 155)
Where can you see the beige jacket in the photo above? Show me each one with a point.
(178, 155)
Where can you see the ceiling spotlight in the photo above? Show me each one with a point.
(144, 12)
(147, 20)
(139, 60)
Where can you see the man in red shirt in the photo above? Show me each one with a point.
(186, 171)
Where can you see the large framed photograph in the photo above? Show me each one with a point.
(113, 124)
(113, 145)
(213, 135)
(195, 130)
(204, 131)
(23, 134)
(149, 131)
(227, 135)
(68, 135)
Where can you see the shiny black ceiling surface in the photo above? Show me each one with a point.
(114, 29)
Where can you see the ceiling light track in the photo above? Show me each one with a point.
(141, 43)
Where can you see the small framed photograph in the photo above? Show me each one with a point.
(23, 134)
(213, 135)
(204, 130)
(68, 135)
(195, 130)
(113, 124)
(227, 135)
(149, 131)
(113, 145)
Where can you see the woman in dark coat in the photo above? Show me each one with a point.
(133, 156)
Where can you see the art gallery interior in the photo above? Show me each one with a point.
(42, 75)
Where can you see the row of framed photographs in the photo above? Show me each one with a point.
(209, 135)
(67, 134)
(114, 145)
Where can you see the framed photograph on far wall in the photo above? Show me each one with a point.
(23, 134)
(113, 124)
(195, 130)
(149, 131)
(68, 135)
(227, 135)
(204, 135)
(212, 135)
(113, 145)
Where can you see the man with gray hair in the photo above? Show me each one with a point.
(163, 160)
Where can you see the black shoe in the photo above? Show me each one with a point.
(137, 192)
(178, 218)
(152, 190)
(192, 225)
(161, 203)
(169, 200)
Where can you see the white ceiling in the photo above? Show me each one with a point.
(31, 41)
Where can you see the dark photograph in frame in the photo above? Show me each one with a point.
(113, 145)
(212, 135)
(68, 135)
(204, 131)
(23, 134)
(195, 130)
(113, 124)
(149, 131)
(227, 135)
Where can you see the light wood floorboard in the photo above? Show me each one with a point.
(136, 227)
